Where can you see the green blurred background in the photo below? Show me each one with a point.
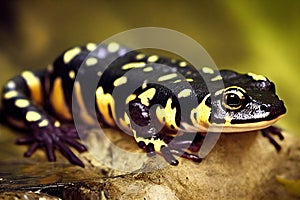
(247, 36)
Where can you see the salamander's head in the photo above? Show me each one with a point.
(247, 102)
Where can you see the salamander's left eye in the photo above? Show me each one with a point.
(233, 99)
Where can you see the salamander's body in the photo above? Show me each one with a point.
(147, 96)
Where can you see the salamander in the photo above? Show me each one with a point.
(157, 100)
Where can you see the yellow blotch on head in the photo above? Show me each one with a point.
(70, 54)
(146, 96)
(257, 77)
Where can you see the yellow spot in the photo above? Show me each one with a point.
(182, 64)
(32, 116)
(140, 56)
(91, 61)
(202, 112)
(177, 81)
(157, 142)
(153, 58)
(189, 80)
(44, 123)
(10, 94)
(69, 55)
(11, 85)
(130, 98)
(22, 103)
(91, 46)
(125, 123)
(57, 100)
(133, 65)
(148, 69)
(113, 47)
(257, 77)
(83, 111)
(207, 70)
(34, 85)
(184, 93)
(57, 123)
(71, 74)
(144, 84)
(219, 92)
(167, 115)
(227, 120)
(120, 81)
(104, 101)
(217, 78)
(147, 95)
(167, 77)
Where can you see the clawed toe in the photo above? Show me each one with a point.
(272, 130)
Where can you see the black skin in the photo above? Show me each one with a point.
(60, 138)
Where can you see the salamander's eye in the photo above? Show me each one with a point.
(233, 98)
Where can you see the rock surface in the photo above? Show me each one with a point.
(241, 166)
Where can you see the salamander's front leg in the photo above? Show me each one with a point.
(53, 137)
(22, 99)
(273, 130)
(153, 141)
(167, 146)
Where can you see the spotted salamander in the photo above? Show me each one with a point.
(157, 98)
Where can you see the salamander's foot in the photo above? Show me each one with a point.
(171, 146)
(269, 132)
(51, 138)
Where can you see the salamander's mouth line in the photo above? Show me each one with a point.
(233, 128)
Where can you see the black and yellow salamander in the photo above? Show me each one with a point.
(151, 94)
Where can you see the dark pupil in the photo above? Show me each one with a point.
(233, 100)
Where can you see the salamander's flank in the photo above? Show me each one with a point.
(169, 97)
